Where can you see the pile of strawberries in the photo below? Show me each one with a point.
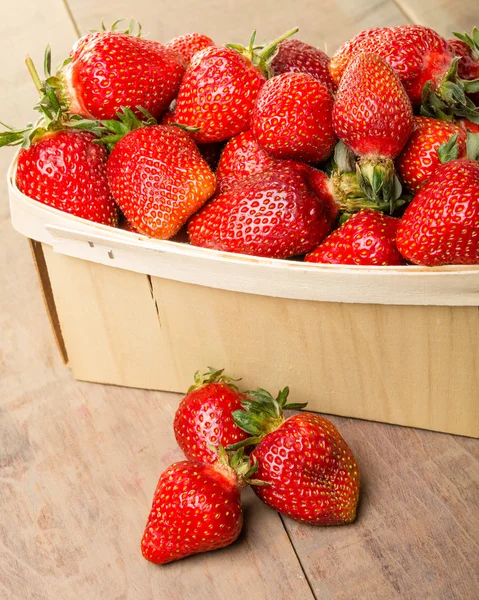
(274, 150)
(300, 466)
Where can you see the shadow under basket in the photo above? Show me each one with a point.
(392, 344)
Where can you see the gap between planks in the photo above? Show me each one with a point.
(405, 11)
(298, 558)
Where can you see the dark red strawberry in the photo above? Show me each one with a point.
(241, 157)
(196, 508)
(203, 418)
(275, 213)
(420, 157)
(366, 238)
(159, 179)
(466, 47)
(220, 87)
(441, 225)
(307, 469)
(373, 116)
(423, 60)
(294, 56)
(292, 118)
(189, 44)
(108, 70)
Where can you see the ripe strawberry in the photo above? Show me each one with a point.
(373, 116)
(366, 238)
(423, 60)
(203, 417)
(468, 125)
(441, 225)
(159, 179)
(275, 213)
(292, 118)
(242, 156)
(168, 117)
(466, 47)
(294, 56)
(66, 170)
(189, 44)
(196, 508)
(219, 89)
(420, 158)
(108, 70)
(308, 471)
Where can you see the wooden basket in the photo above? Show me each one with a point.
(393, 344)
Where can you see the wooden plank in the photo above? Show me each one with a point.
(444, 16)
(416, 534)
(327, 24)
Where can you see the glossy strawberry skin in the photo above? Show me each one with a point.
(189, 44)
(366, 238)
(468, 67)
(204, 418)
(196, 508)
(159, 179)
(372, 113)
(294, 56)
(313, 475)
(419, 158)
(241, 157)
(274, 214)
(416, 53)
(292, 118)
(67, 170)
(110, 70)
(441, 225)
(218, 93)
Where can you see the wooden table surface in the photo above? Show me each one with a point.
(79, 462)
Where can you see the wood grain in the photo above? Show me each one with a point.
(79, 462)
(445, 16)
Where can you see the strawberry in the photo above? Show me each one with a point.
(168, 117)
(441, 225)
(466, 47)
(307, 469)
(292, 118)
(420, 158)
(373, 116)
(108, 70)
(158, 177)
(468, 125)
(275, 213)
(203, 417)
(294, 56)
(366, 238)
(242, 156)
(196, 508)
(423, 60)
(219, 89)
(189, 44)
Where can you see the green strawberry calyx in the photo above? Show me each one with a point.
(449, 150)
(212, 376)
(236, 466)
(449, 99)
(262, 414)
(472, 40)
(262, 55)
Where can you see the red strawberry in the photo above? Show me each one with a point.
(189, 44)
(203, 417)
(242, 156)
(468, 125)
(294, 56)
(292, 118)
(196, 508)
(67, 170)
(366, 238)
(159, 179)
(275, 213)
(441, 225)
(124, 224)
(420, 57)
(466, 47)
(309, 472)
(168, 117)
(219, 90)
(420, 157)
(373, 116)
(108, 70)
